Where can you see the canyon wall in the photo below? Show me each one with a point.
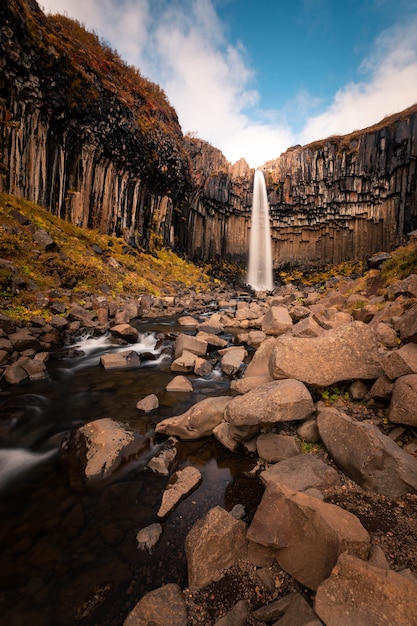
(88, 138)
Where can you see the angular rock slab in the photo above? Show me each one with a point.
(402, 409)
(401, 362)
(300, 473)
(198, 421)
(160, 607)
(273, 447)
(343, 353)
(278, 401)
(276, 321)
(98, 449)
(182, 483)
(309, 535)
(370, 458)
(191, 344)
(120, 360)
(359, 594)
(214, 543)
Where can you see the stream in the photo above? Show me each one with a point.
(71, 557)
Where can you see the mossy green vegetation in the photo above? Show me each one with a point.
(119, 270)
(402, 264)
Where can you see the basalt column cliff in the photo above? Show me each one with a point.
(87, 137)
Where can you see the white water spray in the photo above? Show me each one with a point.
(260, 249)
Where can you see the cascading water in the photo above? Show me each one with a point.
(260, 249)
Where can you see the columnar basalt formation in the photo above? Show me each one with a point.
(87, 137)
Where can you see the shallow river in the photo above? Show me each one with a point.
(69, 557)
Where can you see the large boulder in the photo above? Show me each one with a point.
(308, 535)
(370, 458)
(198, 421)
(300, 473)
(343, 353)
(401, 362)
(259, 366)
(232, 359)
(278, 401)
(126, 332)
(214, 543)
(97, 450)
(276, 321)
(191, 344)
(159, 607)
(402, 409)
(274, 447)
(360, 594)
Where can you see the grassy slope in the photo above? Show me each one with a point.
(124, 270)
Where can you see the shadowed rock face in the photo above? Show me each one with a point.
(122, 165)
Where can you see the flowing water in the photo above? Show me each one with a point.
(260, 276)
(71, 557)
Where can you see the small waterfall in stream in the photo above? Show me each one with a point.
(260, 249)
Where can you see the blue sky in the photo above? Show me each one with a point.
(256, 77)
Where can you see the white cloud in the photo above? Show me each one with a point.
(389, 86)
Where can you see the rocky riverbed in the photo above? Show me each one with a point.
(323, 389)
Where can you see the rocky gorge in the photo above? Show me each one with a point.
(321, 401)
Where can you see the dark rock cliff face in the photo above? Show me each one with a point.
(87, 137)
(342, 198)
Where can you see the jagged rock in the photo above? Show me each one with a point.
(190, 344)
(307, 327)
(43, 239)
(7, 324)
(407, 325)
(402, 409)
(212, 340)
(148, 537)
(308, 431)
(126, 332)
(78, 313)
(255, 338)
(308, 535)
(299, 312)
(273, 447)
(211, 326)
(179, 383)
(159, 607)
(223, 433)
(23, 339)
(259, 365)
(14, 374)
(343, 353)
(184, 363)
(182, 483)
(35, 368)
(232, 359)
(163, 460)
(375, 462)
(401, 362)
(213, 544)
(386, 335)
(376, 260)
(382, 389)
(279, 401)
(276, 321)
(236, 617)
(202, 367)
(406, 287)
(198, 421)
(148, 403)
(300, 473)
(243, 385)
(358, 593)
(290, 610)
(187, 320)
(97, 449)
(120, 360)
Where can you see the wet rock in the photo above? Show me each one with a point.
(182, 483)
(300, 473)
(401, 362)
(212, 340)
(23, 339)
(163, 460)
(202, 367)
(211, 326)
(184, 363)
(358, 593)
(148, 537)
(187, 320)
(279, 401)
(273, 447)
(190, 344)
(290, 610)
(126, 332)
(160, 607)
(179, 383)
(198, 421)
(402, 409)
(213, 544)
(276, 321)
(14, 374)
(308, 534)
(98, 449)
(343, 353)
(35, 368)
(148, 404)
(375, 462)
(224, 434)
(120, 360)
(232, 359)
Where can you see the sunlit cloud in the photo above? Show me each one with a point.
(389, 86)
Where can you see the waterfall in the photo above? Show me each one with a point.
(260, 249)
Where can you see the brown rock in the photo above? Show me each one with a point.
(407, 325)
(276, 321)
(273, 447)
(179, 383)
(401, 362)
(126, 332)
(402, 409)
(191, 344)
(180, 485)
(198, 421)
(159, 607)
